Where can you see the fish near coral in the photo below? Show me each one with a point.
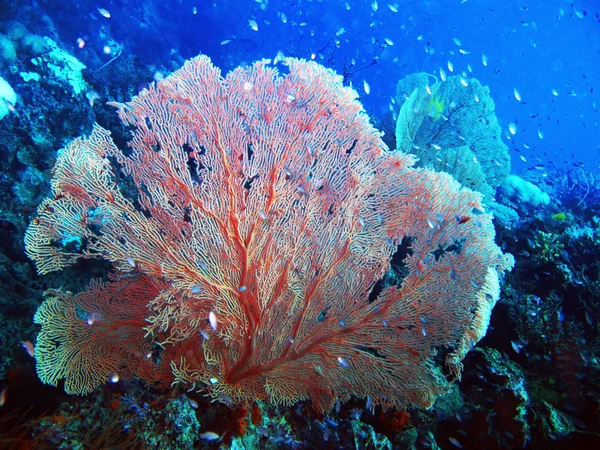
(435, 108)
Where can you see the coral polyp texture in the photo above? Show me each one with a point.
(251, 224)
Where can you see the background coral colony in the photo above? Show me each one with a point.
(385, 235)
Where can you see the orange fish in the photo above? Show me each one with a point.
(27, 345)
(3, 397)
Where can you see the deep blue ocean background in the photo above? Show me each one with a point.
(531, 46)
(532, 382)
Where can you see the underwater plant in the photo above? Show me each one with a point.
(249, 260)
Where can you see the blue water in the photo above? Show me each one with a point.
(532, 46)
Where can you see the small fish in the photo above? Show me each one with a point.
(225, 41)
(193, 403)
(455, 442)
(523, 158)
(450, 66)
(104, 13)
(252, 24)
(212, 318)
(453, 275)
(196, 289)
(366, 87)
(209, 436)
(3, 397)
(512, 128)
(443, 74)
(559, 216)
(517, 94)
(463, 51)
(343, 362)
(393, 7)
(130, 261)
(540, 134)
(554, 92)
(389, 41)
(194, 10)
(28, 346)
(93, 317)
(205, 335)
(456, 41)
(463, 81)
(114, 378)
(484, 59)
(225, 399)
(331, 422)
(242, 289)
(516, 347)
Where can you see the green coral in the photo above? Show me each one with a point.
(465, 142)
(548, 246)
(366, 437)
